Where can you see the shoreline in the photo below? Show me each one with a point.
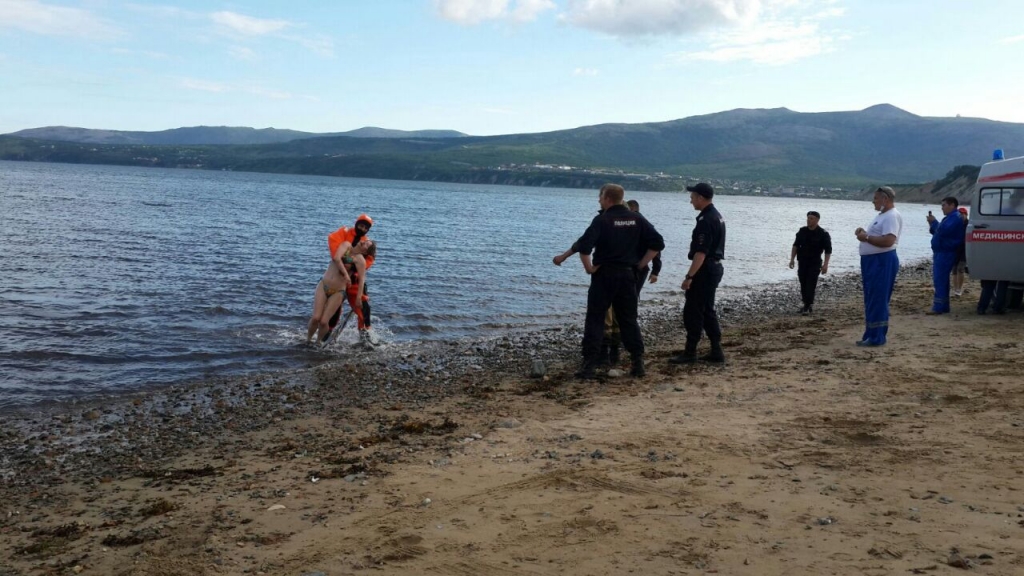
(659, 311)
(123, 488)
(435, 359)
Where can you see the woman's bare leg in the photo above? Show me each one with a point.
(330, 307)
(319, 301)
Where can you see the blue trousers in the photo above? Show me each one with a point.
(942, 267)
(878, 276)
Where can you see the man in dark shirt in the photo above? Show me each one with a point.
(654, 269)
(707, 249)
(618, 237)
(811, 241)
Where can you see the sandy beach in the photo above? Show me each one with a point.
(803, 455)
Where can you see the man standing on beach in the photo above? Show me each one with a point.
(707, 248)
(655, 267)
(616, 236)
(947, 239)
(811, 241)
(879, 265)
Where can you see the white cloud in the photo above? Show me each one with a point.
(585, 72)
(248, 25)
(761, 31)
(318, 43)
(659, 17)
(476, 11)
(829, 13)
(773, 52)
(241, 29)
(527, 10)
(146, 53)
(471, 11)
(1012, 40)
(49, 20)
(783, 32)
(253, 89)
(238, 24)
(204, 85)
(163, 11)
(241, 53)
(272, 94)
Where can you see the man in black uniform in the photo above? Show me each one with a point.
(811, 241)
(655, 267)
(617, 236)
(707, 248)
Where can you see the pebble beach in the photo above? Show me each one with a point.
(803, 454)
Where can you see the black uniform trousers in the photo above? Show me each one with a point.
(612, 286)
(808, 273)
(611, 334)
(699, 314)
(641, 278)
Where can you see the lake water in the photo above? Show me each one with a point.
(113, 278)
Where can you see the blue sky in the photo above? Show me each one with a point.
(497, 66)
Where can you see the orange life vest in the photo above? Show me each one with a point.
(340, 236)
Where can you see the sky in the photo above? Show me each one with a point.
(488, 67)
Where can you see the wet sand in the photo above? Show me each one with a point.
(803, 455)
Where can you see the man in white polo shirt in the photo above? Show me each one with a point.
(879, 265)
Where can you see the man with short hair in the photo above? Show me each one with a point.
(879, 265)
(617, 237)
(947, 238)
(609, 355)
(811, 241)
(707, 249)
(655, 268)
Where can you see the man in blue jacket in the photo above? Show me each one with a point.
(947, 238)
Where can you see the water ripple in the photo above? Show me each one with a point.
(148, 276)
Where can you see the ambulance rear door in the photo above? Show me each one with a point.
(995, 233)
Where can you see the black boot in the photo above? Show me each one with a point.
(613, 354)
(602, 358)
(638, 371)
(716, 356)
(588, 371)
(688, 356)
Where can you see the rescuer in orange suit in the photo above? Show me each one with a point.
(347, 247)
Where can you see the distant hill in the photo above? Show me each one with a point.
(769, 146)
(213, 135)
(371, 132)
(958, 183)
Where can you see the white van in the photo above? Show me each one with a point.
(995, 234)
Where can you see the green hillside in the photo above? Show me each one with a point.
(773, 146)
(211, 135)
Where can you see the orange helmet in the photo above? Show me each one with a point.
(364, 218)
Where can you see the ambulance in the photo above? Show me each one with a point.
(995, 234)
